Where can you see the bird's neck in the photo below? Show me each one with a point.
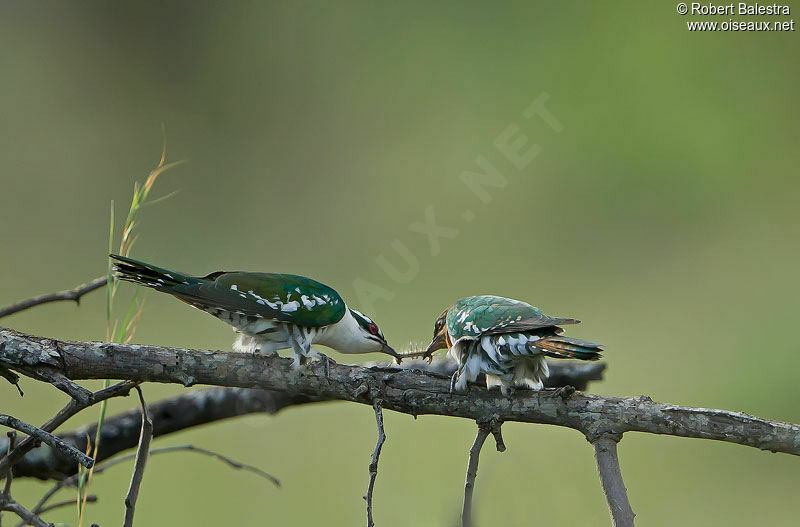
(343, 336)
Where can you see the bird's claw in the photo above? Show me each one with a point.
(326, 362)
(565, 392)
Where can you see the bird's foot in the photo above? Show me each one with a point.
(507, 391)
(265, 353)
(565, 392)
(326, 362)
(301, 363)
(297, 364)
(453, 379)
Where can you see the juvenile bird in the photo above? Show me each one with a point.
(269, 311)
(505, 339)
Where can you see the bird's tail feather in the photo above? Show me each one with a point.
(142, 273)
(569, 348)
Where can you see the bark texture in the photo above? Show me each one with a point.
(407, 391)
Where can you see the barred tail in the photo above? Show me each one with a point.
(142, 273)
(569, 348)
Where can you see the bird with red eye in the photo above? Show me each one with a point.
(374, 332)
(269, 311)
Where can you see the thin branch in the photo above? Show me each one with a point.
(57, 379)
(11, 377)
(91, 498)
(101, 467)
(29, 517)
(216, 455)
(142, 453)
(408, 391)
(472, 472)
(197, 407)
(605, 453)
(120, 432)
(74, 294)
(12, 442)
(47, 438)
(376, 454)
(495, 426)
(72, 408)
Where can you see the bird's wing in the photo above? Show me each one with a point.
(282, 297)
(491, 315)
(532, 323)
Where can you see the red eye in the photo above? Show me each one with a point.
(373, 328)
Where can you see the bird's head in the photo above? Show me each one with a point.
(371, 337)
(440, 337)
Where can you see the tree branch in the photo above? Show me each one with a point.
(142, 453)
(47, 438)
(72, 408)
(11, 377)
(376, 454)
(12, 442)
(29, 517)
(605, 453)
(121, 432)
(57, 379)
(74, 294)
(91, 498)
(101, 467)
(198, 407)
(472, 473)
(407, 391)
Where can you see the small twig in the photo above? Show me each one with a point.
(605, 453)
(72, 408)
(186, 448)
(11, 377)
(74, 294)
(496, 427)
(47, 438)
(12, 440)
(376, 454)
(91, 498)
(101, 467)
(228, 461)
(60, 381)
(120, 432)
(53, 376)
(142, 453)
(41, 505)
(472, 472)
(29, 517)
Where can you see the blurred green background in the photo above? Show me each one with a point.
(664, 215)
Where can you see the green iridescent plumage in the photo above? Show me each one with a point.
(506, 340)
(489, 315)
(282, 297)
(269, 311)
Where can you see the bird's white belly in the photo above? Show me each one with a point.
(506, 360)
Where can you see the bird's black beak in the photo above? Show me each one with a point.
(437, 343)
(390, 351)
